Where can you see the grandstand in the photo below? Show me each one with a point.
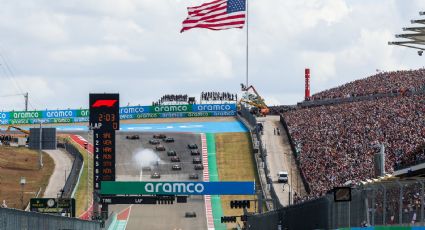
(337, 138)
(337, 142)
(380, 83)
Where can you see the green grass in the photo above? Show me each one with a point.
(82, 200)
(235, 163)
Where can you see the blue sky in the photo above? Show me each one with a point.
(59, 51)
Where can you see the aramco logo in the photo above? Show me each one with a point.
(171, 108)
(174, 188)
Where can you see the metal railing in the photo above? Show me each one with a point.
(72, 179)
(393, 202)
(260, 153)
(17, 219)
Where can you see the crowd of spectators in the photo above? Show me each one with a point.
(336, 143)
(380, 83)
(218, 96)
(171, 98)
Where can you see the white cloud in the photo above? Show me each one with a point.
(134, 47)
(92, 55)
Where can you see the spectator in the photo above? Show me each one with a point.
(337, 143)
(381, 83)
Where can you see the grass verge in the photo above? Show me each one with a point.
(235, 163)
(83, 195)
(17, 162)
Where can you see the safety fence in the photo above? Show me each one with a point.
(260, 153)
(129, 112)
(73, 175)
(389, 202)
(17, 219)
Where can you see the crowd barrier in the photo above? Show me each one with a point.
(17, 219)
(129, 112)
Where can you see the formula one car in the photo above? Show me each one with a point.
(175, 159)
(199, 167)
(160, 148)
(153, 142)
(194, 152)
(176, 167)
(132, 137)
(159, 136)
(197, 160)
(193, 176)
(155, 175)
(192, 146)
(169, 139)
(171, 153)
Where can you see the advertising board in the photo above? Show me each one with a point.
(125, 113)
(26, 114)
(177, 188)
(171, 109)
(4, 115)
(213, 107)
(59, 113)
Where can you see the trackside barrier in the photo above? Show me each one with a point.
(17, 219)
(73, 177)
(249, 120)
(396, 202)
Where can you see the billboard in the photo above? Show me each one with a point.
(4, 115)
(177, 188)
(125, 113)
(213, 107)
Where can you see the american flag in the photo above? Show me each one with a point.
(216, 15)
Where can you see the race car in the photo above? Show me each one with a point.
(153, 142)
(192, 146)
(194, 152)
(160, 148)
(159, 136)
(155, 175)
(175, 159)
(176, 167)
(197, 160)
(169, 139)
(199, 167)
(193, 176)
(132, 137)
(171, 153)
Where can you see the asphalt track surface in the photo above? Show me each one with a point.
(192, 127)
(164, 216)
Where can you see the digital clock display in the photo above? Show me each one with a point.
(104, 120)
(104, 111)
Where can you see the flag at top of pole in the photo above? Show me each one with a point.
(216, 15)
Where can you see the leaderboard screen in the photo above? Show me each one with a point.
(104, 120)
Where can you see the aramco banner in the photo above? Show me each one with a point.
(177, 188)
(129, 112)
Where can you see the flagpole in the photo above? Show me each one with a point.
(247, 49)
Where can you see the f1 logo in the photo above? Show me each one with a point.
(105, 103)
